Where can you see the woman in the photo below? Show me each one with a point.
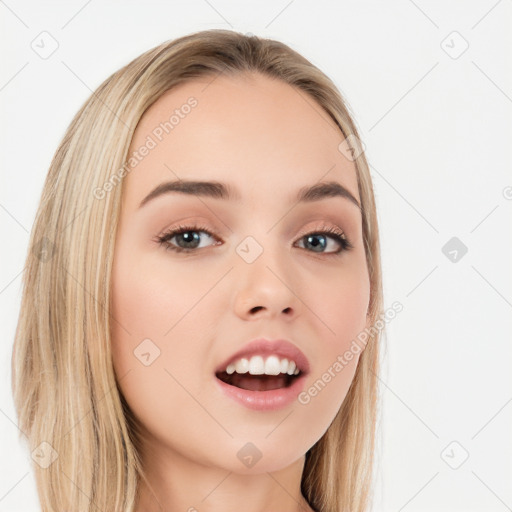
(203, 277)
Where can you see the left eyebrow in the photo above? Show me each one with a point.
(218, 190)
(324, 190)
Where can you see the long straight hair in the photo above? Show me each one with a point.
(82, 436)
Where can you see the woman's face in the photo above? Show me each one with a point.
(254, 266)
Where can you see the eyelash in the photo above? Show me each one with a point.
(335, 233)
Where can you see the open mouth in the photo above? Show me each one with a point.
(257, 382)
(264, 376)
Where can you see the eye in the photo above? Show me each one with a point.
(187, 237)
(317, 240)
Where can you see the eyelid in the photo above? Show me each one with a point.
(171, 232)
(324, 227)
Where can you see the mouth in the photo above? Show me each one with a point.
(261, 372)
(257, 382)
(264, 375)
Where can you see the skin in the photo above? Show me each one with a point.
(267, 140)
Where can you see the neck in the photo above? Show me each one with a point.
(175, 482)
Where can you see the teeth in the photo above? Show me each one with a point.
(256, 365)
(272, 366)
(242, 366)
(291, 368)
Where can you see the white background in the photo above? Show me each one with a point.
(437, 131)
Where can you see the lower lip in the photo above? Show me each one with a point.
(270, 400)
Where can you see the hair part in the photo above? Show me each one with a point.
(64, 386)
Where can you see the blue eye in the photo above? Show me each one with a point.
(318, 240)
(188, 240)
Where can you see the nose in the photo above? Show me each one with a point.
(265, 289)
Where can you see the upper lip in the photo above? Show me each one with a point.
(264, 347)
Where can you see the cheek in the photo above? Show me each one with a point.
(154, 300)
(152, 326)
(342, 308)
(337, 360)
(151, 299)
(341, 302)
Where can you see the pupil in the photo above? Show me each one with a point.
(190, 240)
(321, 244)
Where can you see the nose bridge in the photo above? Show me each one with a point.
(260, 234)
(264, 278)
(262, 248)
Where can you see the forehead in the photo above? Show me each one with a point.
(257, 133)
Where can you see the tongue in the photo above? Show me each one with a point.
(259, 382)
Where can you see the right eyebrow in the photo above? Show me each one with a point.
(213, 189)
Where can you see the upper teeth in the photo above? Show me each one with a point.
(273, 365)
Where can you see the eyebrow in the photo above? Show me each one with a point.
(218, 190)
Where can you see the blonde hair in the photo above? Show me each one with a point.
(65, 392)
